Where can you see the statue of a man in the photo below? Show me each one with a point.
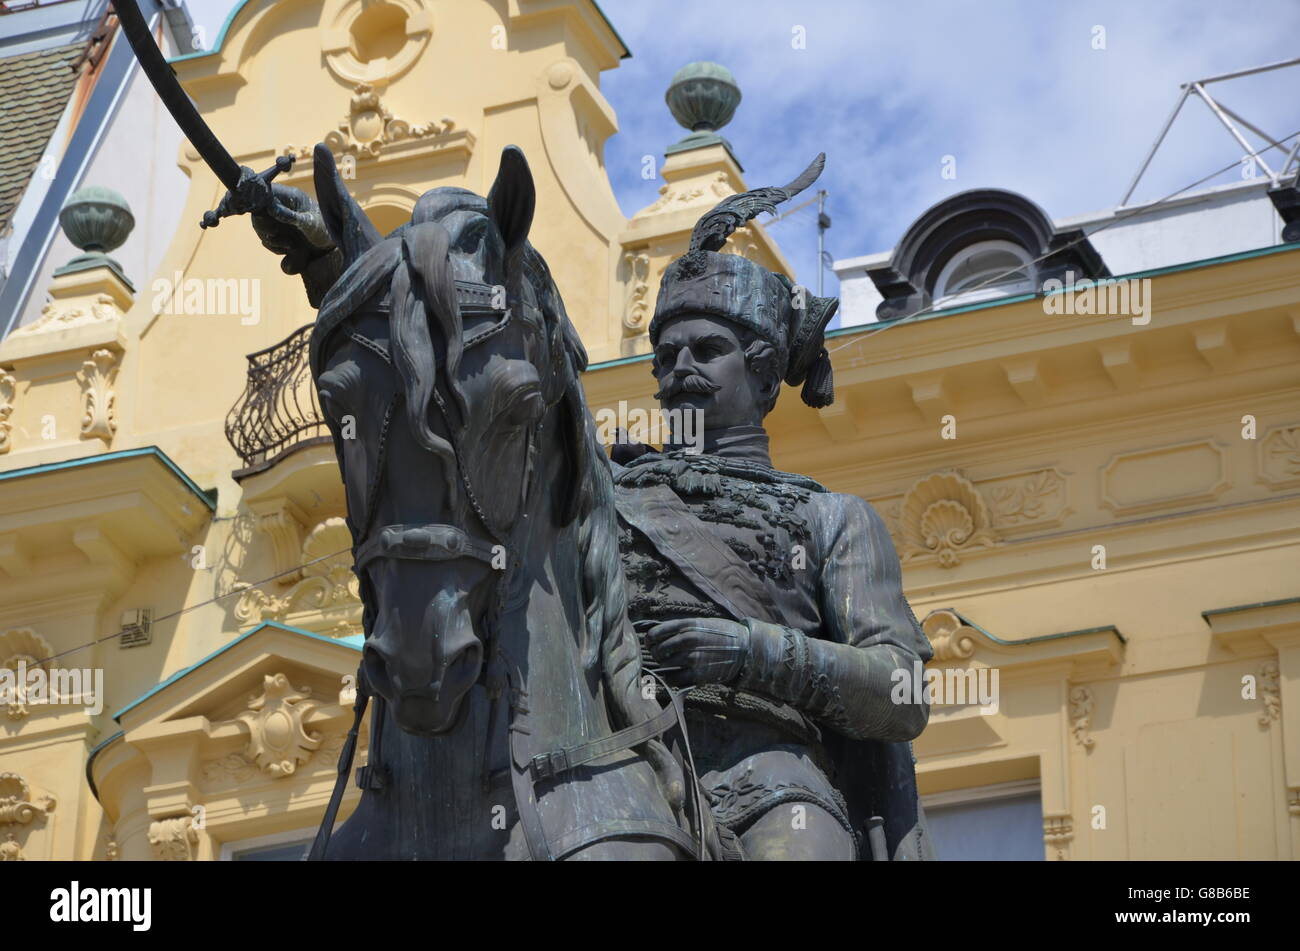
(778, 601)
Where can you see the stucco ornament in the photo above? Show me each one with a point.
(279, 741)
(8, 387)
(327, 597)
(1081, 705)
(369, 127)
(944, 515)
(348, 28)
(174, 839)
(96, 377)
(948, 635)
(10, 850)
(22, 645)
(16, 804)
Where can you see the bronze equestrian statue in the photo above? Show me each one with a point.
(512, 718)
(774, 606)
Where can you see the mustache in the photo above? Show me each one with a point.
(694, 383)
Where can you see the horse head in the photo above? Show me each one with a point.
(438, 356)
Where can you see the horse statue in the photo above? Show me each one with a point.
(510, 718)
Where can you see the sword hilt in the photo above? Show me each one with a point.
(251, 194)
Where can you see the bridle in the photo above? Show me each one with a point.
(417, 541)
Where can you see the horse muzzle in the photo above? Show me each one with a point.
(425, 673)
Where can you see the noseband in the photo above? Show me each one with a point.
(431, 542)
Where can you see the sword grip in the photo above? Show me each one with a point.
(251, 194)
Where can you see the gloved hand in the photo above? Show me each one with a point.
(700, 650)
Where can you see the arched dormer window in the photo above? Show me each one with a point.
(983, 271)
(970, 238)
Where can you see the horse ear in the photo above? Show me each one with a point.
(513, 198)
(347, 224)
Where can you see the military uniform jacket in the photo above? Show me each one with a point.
(708, 536)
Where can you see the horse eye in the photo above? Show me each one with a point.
(525, 410)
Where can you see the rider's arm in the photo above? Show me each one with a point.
(847, 677)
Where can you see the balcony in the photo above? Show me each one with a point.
(278, 412)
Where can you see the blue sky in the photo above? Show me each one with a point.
(1015, 91)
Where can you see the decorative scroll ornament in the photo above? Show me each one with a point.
(944, 515)
(54, 318)
(278, 738)
(18, 647)
(369, 127)
(238, 769)
(10, 850)
(677, 195)
(1035, 497)
(328, 590)
(945, 631)
(174, 840)
(1058, 831)
(16, 804)
(1270, 692)
(1280, 458)
(636, 314)
(96, 377)
(232, 766)
(8, 387)
(1081, 703)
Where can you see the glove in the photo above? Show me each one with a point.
(699, 650)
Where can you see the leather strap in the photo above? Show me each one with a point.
(322, 840)
(530, 817)
(431, 542)
(549, 765)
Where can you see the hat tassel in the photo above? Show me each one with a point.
(819, 387)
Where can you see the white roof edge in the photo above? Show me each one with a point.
(861, 261)
(1231, 189)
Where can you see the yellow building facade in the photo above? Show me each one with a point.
(1106, 513)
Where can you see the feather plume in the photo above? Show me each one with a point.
(712, 231)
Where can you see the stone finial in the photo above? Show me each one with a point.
(702, 98)
(97, 220)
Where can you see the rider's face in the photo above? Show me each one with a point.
(700, 364)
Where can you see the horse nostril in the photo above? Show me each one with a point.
(376, 670)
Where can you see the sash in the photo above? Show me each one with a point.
(697, 552)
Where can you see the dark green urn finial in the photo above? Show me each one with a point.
(702, 98)
(97, 220)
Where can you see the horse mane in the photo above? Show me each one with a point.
(589, 502)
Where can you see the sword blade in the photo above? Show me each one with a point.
(163, 79)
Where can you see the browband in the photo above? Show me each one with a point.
(474, 299)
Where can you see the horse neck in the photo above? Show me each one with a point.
(546, 637)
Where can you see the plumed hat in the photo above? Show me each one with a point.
(703, 281)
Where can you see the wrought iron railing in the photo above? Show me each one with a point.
(278, 411)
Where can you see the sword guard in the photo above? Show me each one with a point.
(251, 194)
